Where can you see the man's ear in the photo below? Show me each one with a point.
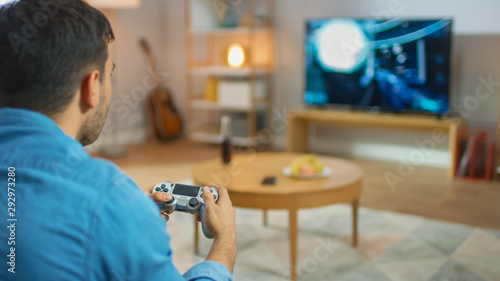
(90, 89)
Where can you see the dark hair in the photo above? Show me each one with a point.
(47, 47)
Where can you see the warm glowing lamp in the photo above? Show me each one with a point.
(235, 55)
(115, 4)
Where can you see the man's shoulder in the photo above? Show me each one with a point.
(73, 171)
(111, 183)
(120, 191)
(115, 180)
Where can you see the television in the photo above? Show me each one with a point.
(395, 65)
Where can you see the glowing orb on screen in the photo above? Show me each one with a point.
(2, 2)
(342, 46)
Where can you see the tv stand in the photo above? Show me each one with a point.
(300, 119)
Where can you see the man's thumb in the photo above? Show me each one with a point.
(208, 196)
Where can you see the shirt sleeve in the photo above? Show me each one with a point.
(209, 270)
(130, 241)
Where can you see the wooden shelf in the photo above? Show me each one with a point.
(228, 71)
(213, 105)
(228, 31)
(210, 134)
(215, 139)
(380, 120)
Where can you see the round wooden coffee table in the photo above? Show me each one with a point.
(243, 179)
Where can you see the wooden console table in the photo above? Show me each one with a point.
(299, 120)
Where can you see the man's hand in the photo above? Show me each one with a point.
(220, 216)
(221, 222)
(160, 197)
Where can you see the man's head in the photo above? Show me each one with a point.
(54, 59)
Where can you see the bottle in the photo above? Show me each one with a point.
(225, 133)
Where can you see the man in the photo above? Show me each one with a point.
(68, 216)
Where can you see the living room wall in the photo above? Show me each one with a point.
(474, 55)
(475, 46)
(162, 23)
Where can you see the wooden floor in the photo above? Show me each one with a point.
(426, 193)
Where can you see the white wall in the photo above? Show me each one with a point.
(474, 54)
(161, 22)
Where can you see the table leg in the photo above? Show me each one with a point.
(196, 232)
(264, 217)
(293, 241)
(355, 205)
(297, 131)
(452, 145)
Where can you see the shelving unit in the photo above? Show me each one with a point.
(206, 57)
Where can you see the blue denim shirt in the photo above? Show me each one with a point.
(75, 217)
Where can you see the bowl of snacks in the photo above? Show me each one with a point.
(307, 167)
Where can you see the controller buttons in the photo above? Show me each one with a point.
(157, 188)
(193, 202)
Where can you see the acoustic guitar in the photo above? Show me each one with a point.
(167, 122)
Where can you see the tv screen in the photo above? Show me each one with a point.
(394, 65)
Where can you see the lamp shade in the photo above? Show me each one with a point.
(114, 4)
(235, 55)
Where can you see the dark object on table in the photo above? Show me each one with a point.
(269, 181)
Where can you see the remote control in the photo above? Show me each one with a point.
(186, 198)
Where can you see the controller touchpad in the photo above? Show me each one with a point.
(186, 190)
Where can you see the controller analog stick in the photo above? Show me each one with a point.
(193, 202)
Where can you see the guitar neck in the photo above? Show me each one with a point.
(152, 62)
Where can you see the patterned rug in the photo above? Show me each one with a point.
(392, 246)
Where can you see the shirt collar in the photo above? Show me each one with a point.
(33, 120)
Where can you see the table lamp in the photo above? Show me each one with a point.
(235, 55)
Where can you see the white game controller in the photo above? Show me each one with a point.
(186, 198)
